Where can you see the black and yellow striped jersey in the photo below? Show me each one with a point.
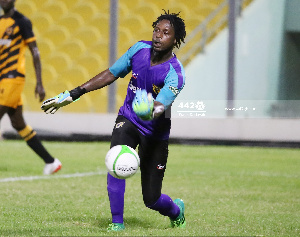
(15, 33)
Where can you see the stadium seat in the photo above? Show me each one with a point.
(87, 10)
(60, 61)
(89, 35)
(69, 3)
(92, 62)
(71, 21)
(75, 75)
(49, 74)
(73, 47)
(123, 10)
(38, 3)
(42, 21)
(28, 8)
(101, 22)
(134, 24)
(101, 49)
(127, 40)
(45, 46)
(57, 34)
(56, 9)
(148, 11)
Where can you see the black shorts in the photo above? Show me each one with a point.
(153, 155)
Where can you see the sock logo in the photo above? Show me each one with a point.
(160, 167)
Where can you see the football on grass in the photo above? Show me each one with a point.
(122, 161)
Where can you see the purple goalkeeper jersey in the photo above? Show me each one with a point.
(164, 81)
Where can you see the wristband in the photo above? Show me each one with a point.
(77, 92)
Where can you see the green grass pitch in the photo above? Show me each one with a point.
(228, 191)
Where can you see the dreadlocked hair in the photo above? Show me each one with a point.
(176, 22)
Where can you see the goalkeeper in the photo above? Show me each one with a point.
(157, 78)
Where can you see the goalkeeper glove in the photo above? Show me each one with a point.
(53, 104)
(142, 105)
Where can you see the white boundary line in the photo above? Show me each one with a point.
(56, 176)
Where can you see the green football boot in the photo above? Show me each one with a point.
(180, 220)
(116, 227)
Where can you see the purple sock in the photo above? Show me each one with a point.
(116, 191)
(166, 207)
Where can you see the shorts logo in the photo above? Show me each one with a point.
(174, 90)
(160, 167)
(120, 124)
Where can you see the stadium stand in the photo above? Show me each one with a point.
(71, 21)
(41, 22)
(68, 31)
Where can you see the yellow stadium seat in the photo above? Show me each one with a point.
(38, 3)
(70, 3)
(148, 11)
(123, 10)
(125, 40)
(101, 49)
(49, 74)
(45, 46)
(89, 35)
(60, 61)
(75, 75)
(73, 47)
(101, 22)
(87, 10)
(28, 8)
(92, 62)
(42, 21)
(71, 21)
(134, 24)
(57, 34)
(56, 9)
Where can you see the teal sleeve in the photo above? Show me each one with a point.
(171, 88)
(123, 65)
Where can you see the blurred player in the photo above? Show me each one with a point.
(15, 34)
(142, 122)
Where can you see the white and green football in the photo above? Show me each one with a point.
(122, 161)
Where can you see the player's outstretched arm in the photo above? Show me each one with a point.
(99, 81)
